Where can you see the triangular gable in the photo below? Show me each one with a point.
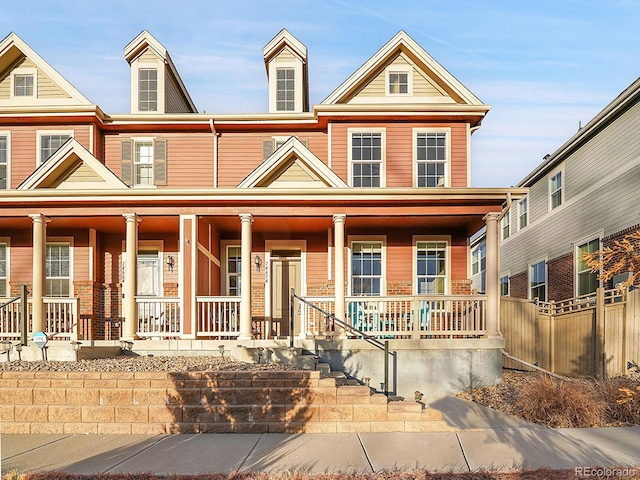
(52, 88)
(280, 41)
(292, 166)
(72, 167)
(145, 41)
(435, 82)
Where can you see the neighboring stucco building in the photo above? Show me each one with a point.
(581, 198)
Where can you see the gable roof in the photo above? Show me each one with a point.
(292, 152)
(145, 40)
(72, 167)
(402, 42)
(12, 47)
(282, 38)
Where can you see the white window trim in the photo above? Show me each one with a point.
(44, 133)
(7, 133)
(563, 187)
(24, 71)
(414, 259)
(408, 69)
(519, 211)
(595, 236)
(474, 249)
(274, 65)
(65, 241)
(135, 140)
(351, 239)
(224, 267)
(447, 169)
(147, 245)
(507, 224)
(6, 241)
(544, 259)
(383, 162)
(135, 93)
(502, 275)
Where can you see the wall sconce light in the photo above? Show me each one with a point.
(258, 262)
(171, 261)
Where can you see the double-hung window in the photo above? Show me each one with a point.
(285, 89)
(143, 163)
(366, 268)
(538, 280)
(523, 213)
(49, 142)
(4, 161)
(479, 259)
(4, 291)
(148, 89)
(58, 270)
(556, 196)
(431, 267)
(504, 285)
(431, 157)
(586, 280)
(367, 158)
(505, 225)
(234, 270)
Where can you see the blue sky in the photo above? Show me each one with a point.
(543, 65)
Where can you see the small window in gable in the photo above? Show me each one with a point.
(23, 85)
(148, 89)
(398, 83)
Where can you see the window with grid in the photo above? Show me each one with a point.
(398, 83)
(431, 267)
(504, 285)
(555, 184)
(4, 183)
(234, 269)
(50, 143)
(148, 90)
(3, 270)
(366, 159)
(285, 89)
(479, 259)
(431, 158)
(58, 270)
(23, 85)
(366, 268)
(523, 213)
(538, 281)
(587, 281)
(505, 225)
(143, 163)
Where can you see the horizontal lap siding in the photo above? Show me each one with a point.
(317, 259)
(24, 147)
(399, 150)
(241, 153)
(21, 257)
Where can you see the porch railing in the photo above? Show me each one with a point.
(158, 316)
(218, 316)
(61, 318)
(582, 302)
(403, 316)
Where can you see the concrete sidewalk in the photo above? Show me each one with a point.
(483, 440)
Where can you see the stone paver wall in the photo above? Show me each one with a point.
(200, 402)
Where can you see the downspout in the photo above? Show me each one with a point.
(215, 153)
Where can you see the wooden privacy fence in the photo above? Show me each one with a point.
(592, 335)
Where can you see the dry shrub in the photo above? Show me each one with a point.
(622, 398)
(560, 403)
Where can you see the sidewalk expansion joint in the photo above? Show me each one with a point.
(164, 437)
(464, 455)
(37, 447)
(244, 460)
(366, 455)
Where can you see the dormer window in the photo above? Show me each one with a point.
(285, 89)
(148, 90)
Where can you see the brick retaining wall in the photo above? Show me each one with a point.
(200, 402)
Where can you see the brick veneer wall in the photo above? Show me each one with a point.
(200, 402)
(560, 278)
(518, 285)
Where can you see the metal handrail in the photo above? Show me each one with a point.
(10, 302)
(371, 340)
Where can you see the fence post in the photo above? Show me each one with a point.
(599, 334)
(415, 318)
(24, 315)
(552, 338)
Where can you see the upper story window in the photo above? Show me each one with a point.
(431, 267)
(49, 142)
(144, 162)
(3, 270)
(431, 156)
(367, 159)
(586, 280)
(479, 259)
(523, 213)
(505, 226)
(538, 281)
(285, 89)
(556, 195)
(4, 161)
(366, 268)
(148, 89)
(58, 270)
(23, 85)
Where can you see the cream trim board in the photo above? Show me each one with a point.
(65, 240)
(586, 239)
(406, 69)
(383, 161)
(382, 239)
(563, 186)
(447, 171)
(24, 71)
(415, 239)
(544, 259)
(45, 133)
(7, 133)
(6, 241)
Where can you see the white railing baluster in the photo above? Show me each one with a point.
(218, 316)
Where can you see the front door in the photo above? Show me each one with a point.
(285, 275)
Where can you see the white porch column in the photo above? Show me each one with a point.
(129, 308)
(246, 331)
(338, 241)
(492, 281)
(39, 269)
